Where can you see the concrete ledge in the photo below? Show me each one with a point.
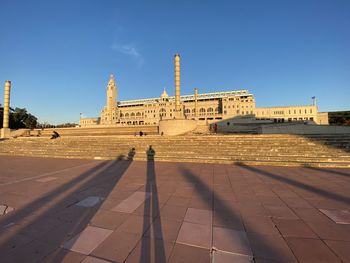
(176, 126)
(304, 129)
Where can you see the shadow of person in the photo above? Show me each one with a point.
(152, 221)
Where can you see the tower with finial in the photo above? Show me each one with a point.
(111, 93)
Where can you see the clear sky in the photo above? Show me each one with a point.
(59, 54)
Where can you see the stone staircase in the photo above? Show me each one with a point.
(283, 150)
(98, 131)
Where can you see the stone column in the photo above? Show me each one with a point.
(5, 131)
(196, 102)
(177, 83)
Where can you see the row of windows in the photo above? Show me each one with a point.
(233, 106)
(289, 112)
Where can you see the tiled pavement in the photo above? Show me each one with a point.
(94, 211)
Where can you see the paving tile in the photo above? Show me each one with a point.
(231, 241)
(151, 250)
(296, 202)
(94, 260)
(109, 220)
(200, 203)
(294, 228)
(12, 241)
(281, 212)
(90, 201)
(117, 246)
(270, 247)
(130, 204)
(184, 253)
(330, 230)
(184, 191)
(46, 179)
(228, 220)
(163, 228)
(338, 216)
(226, 257)
(199, 216)
(311, 250)
(178, 201)
(173, 212)
(195, 235)
(88, 240)
(341, 248)
(253, 209)
(62, 255)
(136, 224)
(34, 251)
(260, 224)
(62, 233)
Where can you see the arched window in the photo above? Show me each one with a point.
(216, 110)
(187, 111)
(202, 111)
(138, 114)
(210, 111)
(193, 111)
(126, 115)
(132, 114)
(121, 115)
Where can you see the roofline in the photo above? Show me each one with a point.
(211, 95)
(271, 107)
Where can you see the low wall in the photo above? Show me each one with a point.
(176, 126)
(304, 129)
(100, 131)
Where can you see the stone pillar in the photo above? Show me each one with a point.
(5, 131)
(177, 83)
(196, 102)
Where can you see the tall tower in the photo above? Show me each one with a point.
(177, 83)
(5, 131)
(111, 93)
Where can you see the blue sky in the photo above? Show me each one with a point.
(59, 54)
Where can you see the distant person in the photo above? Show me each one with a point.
(150, 153)
(215, 128)
(141, 133)
(55, 135)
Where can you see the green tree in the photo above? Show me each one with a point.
(19, 118)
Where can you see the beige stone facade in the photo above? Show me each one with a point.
(205, 107)
(292, 113)
(201, 107)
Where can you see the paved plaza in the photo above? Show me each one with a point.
(60, 210)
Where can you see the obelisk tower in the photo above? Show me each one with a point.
(177, 83)
(5, 131)
(196, 103)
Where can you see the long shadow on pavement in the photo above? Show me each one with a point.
(326, 170)
(223, 211)
(151, 213)
(300, 185)
(29, 235)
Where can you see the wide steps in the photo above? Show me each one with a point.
(289, 150)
